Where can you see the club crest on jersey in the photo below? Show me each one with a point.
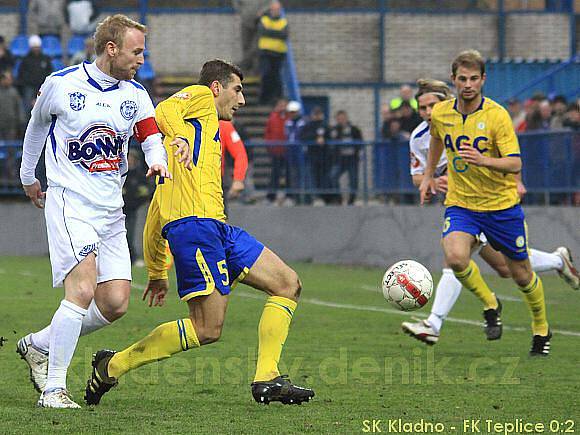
(98, 149)
(77, 101)
(128, 109)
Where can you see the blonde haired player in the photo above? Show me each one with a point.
(85, 114)
(429, 93)
(483, 157)
(210, 256)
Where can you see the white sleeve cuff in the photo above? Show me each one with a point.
(154, 150)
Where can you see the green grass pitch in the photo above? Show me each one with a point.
(345, 342)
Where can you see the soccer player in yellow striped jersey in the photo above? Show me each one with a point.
(210, 256)
(483, 157)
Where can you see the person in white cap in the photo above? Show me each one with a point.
(35, 67)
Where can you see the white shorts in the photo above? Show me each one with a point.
(76, 228)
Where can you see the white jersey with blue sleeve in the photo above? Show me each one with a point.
(419, 150)
(86, 118)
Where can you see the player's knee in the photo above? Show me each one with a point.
(208, 334)
(456, 262)
(83, 294)
(289, 286)
(523, 278)
(116, 311)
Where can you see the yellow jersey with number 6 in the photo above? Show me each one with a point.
(489, 130)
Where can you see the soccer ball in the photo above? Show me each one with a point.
(407, 285)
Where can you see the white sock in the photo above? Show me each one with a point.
(64, 335)
(41, 339)
(545, 261)
(446, 294)
(93, 321)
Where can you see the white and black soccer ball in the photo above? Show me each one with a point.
(407, 285)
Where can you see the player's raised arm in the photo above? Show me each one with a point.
(35, 137)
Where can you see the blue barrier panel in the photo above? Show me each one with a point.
(551, 165)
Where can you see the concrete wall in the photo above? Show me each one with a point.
(9, 24)
(181, 43)
(374, 235)
(424, 45)
(344, 47)
(540, 36)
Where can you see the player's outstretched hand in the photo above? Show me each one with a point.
(182, 151)
(35, 193)
(472, 156)
(159, 170)
(427, 189)
(157, 290)
(441, 184)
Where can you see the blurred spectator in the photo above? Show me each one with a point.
(516, 112)
(572, 117)
(88, 54)
(7, 60)
(33, 69)
(559, 107)
(315, 133)
(82, 16)
(387, 115)
(296, 167)
(275, 131)
(405, 94)
(46, 17)
(345, 158)
(272, 37)
(250, 12)
(137, 191)
(409, 119)
(232, 144)
(540, 117)
(12, 118)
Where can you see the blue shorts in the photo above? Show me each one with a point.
(505, 230)
(209, 254)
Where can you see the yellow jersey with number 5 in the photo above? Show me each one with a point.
(489, 130)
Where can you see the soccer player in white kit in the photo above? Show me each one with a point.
(431, 92)
(85, 115)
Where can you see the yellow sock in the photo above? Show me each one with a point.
(272, 333)
(473, 281)
(162, 342)
(534, 297)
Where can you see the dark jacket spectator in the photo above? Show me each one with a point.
(33, 69)
(7, 60)
(11, 120)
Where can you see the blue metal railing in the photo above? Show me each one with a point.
(365, 169)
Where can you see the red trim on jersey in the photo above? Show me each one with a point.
(145, 128)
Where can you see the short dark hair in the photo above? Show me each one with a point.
(219, 70)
